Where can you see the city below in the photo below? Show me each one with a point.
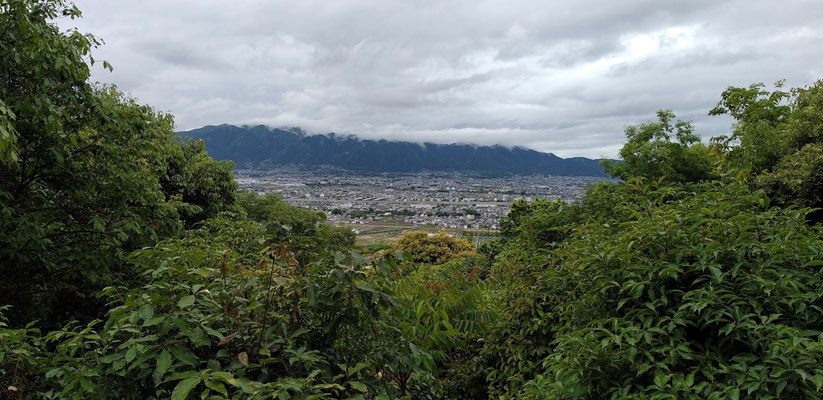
(429, 200)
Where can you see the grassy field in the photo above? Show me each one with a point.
(389, 230)
(479, 236)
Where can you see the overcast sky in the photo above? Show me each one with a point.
(557, 76)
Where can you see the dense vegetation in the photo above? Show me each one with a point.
(132, 268)
(260, 145)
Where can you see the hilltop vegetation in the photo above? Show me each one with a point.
(263, 146)
(132, 269)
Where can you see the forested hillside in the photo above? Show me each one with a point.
(263, 146)
(132, 269)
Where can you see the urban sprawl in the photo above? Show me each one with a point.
(434, 199)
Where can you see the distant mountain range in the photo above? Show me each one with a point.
(263, 146)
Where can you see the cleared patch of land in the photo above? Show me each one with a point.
(389, 230)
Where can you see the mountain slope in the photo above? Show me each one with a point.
(260, 144)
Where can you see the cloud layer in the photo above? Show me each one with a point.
(561, 77)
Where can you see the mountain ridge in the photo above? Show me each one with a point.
(262, 145)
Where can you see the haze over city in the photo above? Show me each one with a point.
(557, 77)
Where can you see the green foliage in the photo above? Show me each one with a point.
(19, 351)
(797, 178)
(711, 296)
(54, 85)
(680, 291)
(446, 310)
(777, 139)
(81, 178)
(80, 198)
(205, 324)
(539, 224)
(583, 318)
(435, 249)
(758, 113)
(204, 185)
(280, 218)
(696, 277)
(652, 152)
(337, 237)
(304, 229)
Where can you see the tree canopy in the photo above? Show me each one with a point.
(87, 175)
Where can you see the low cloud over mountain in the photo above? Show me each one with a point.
(260, 145)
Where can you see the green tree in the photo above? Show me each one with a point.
(80, 178)
(777, 139)
(204, 185)
(666, 148)
(755, 143)
(304, 229)
(539, 224)
(279, 218)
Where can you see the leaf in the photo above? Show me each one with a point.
(146, 312)
(53, 372)
(186, 301)
(181, 391)
(214, 333)
(222, 375)
(818, 381)
(715, 273)
(131, 353)
(154, 321)
(183, 375)
(365, 288)
(184, 355)
(327, 386)
(661, 379)
(217, 386)
(243, 358)
(163, 363)
(637, 290)
(359, 386)
(355, 369)
(110, 358)
(86, 384)
(690, 378)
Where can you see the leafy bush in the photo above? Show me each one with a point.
(206, 186)
(435, 249)
(204, 323)
(447, 310)
(712, 295)
(302, 228)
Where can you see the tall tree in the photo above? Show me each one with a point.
(80, 171)
(666, 148)
(778, 140)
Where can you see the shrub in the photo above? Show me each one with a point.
(435, 249)
(710, 296)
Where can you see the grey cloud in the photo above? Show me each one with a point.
(563, 77)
